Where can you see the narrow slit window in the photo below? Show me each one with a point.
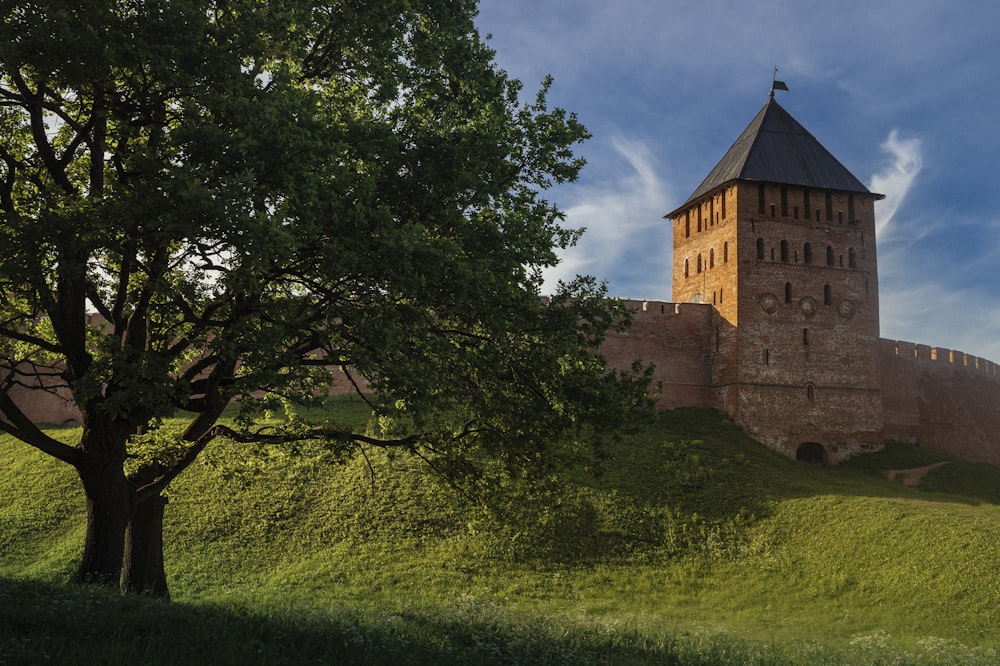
(788, 292)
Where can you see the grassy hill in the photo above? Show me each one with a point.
(694, 545)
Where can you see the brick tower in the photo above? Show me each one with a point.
(780, 238)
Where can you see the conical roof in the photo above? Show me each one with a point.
(775, 148)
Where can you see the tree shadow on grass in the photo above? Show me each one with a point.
(43, 623)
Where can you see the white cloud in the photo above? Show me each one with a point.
(626, 242)
(897, 178)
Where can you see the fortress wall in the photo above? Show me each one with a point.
(54, 405)
(676, 338)
(45, 401)
(941, 399)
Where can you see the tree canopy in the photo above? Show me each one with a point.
(206, 203)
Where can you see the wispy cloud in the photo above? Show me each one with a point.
(897, 178)
(626, 241)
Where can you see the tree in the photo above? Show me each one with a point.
(207, 203)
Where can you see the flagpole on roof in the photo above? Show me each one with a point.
(776, 84)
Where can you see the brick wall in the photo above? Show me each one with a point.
(941, 399)
(676, 337)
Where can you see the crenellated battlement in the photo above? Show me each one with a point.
(936, 357)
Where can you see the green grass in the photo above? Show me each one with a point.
(696, 545)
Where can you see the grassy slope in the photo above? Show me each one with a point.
(696, 543)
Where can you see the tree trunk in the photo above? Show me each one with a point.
(109, 508)
(144, 573)
(110, 501)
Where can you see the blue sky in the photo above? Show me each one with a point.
(903, 93)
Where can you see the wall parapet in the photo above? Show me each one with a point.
(938, 358)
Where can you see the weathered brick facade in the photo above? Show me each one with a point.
(778, 243)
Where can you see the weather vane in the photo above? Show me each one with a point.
(776, 84)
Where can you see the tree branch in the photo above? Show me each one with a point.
(18, 425)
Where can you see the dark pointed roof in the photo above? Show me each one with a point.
(775, 148)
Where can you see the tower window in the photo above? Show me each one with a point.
(720, 295)
(795, 212)
(784, 251)
(851, 259)
(840, 217)
(784, 202)
(805, 337)
(687, 267)
(772, 210)
(699, 262)
(687, 225)
(760, 249)
(723, 204)
(760, 198)
(788, 292)
(807, 253)
(810, 392)
(805, 202)
(699, 218)
(827, 295)
(711, 258)
(829, 207)
(725, 252)
(850, 209)
(829, 255)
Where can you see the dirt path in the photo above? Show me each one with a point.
(912, 477)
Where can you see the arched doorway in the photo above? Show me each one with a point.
(811, 452)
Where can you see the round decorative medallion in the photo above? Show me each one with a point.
(769, 303)
(808, 306)
(846, 309)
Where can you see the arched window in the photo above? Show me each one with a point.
(788, 292)
(807, 252)
(784, 251)
(810, 391)
(829, 255)
(760, 249)
(686, 268)
(725, 251)
(851, 260)
(827, 295)
(711, 258)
